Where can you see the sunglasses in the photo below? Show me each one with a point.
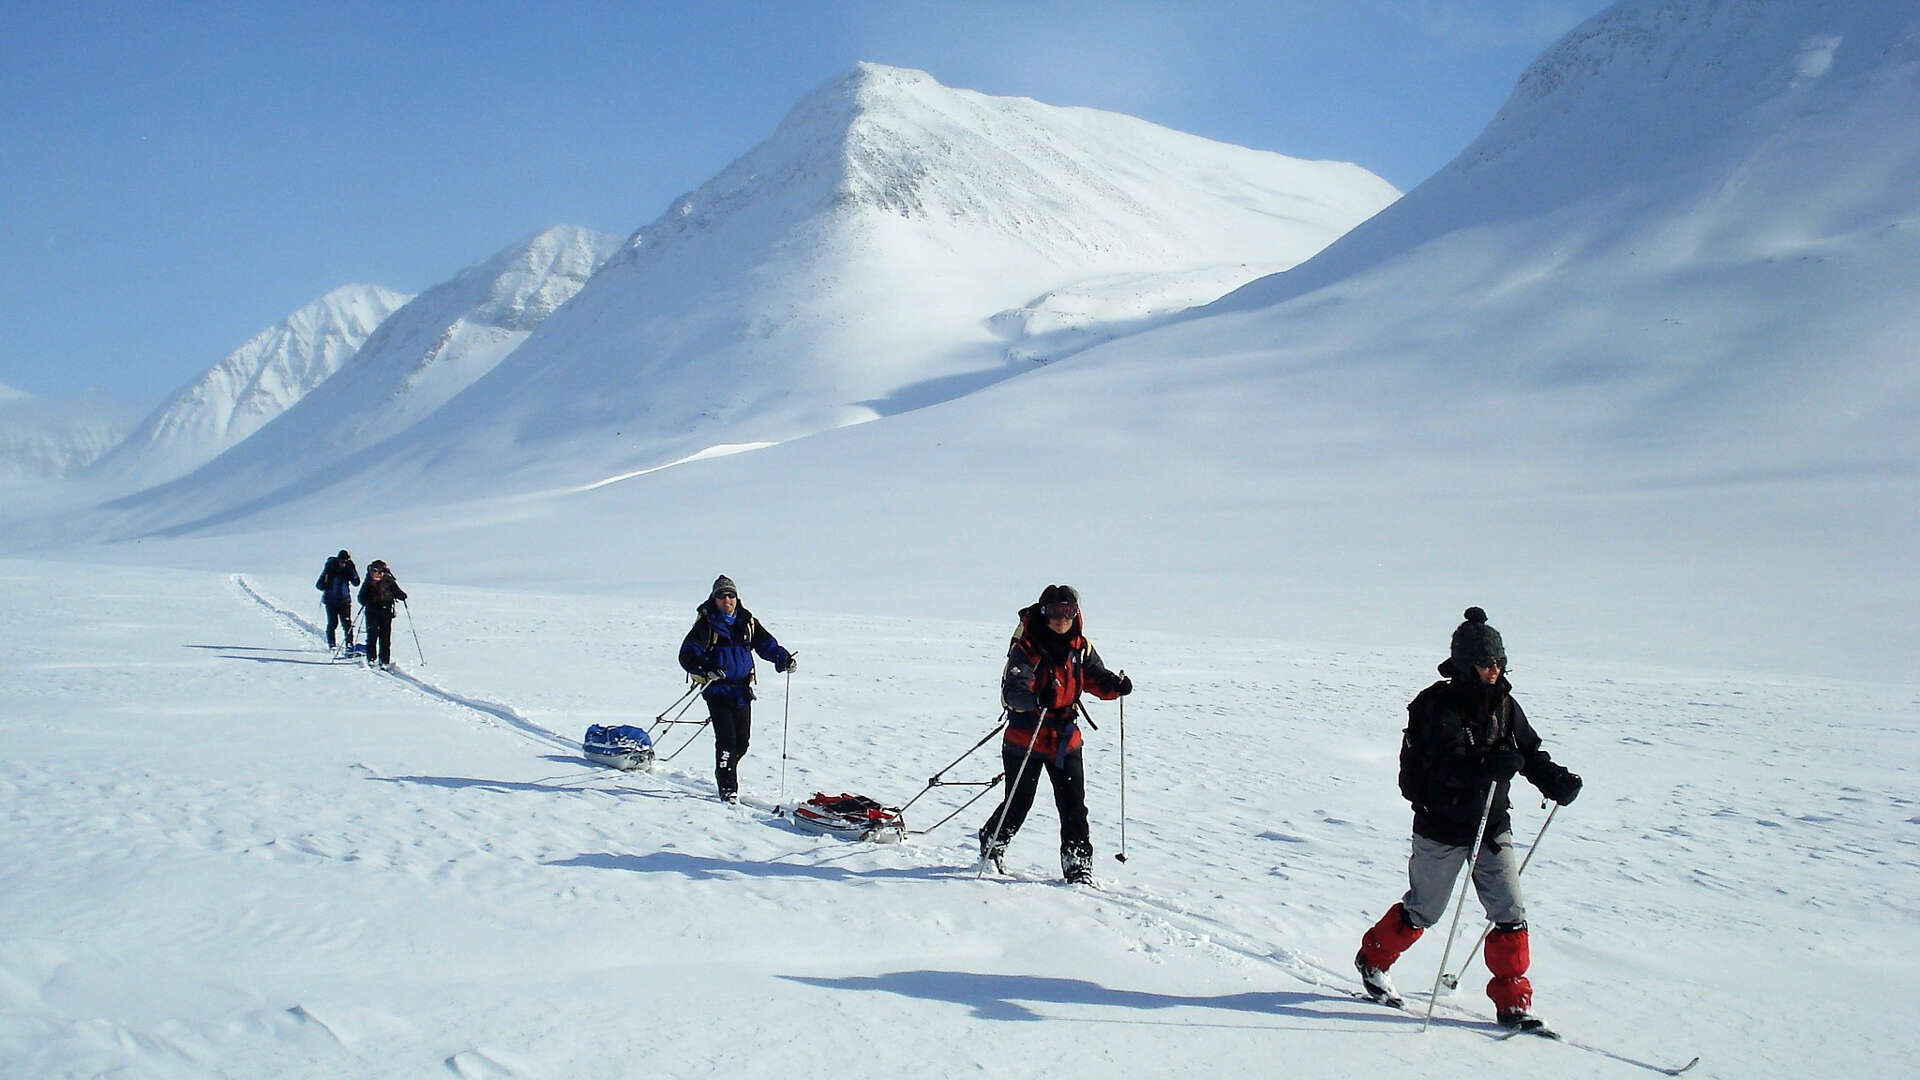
(1062, 610)
(727, 596)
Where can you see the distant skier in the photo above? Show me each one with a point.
(336, 584)
(1464, 736)
(1049, 664)
(719, 651)
(378, 596)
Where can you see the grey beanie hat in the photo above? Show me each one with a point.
(1475, 642)
(721, 584)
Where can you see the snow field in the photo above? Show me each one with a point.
(236, 857)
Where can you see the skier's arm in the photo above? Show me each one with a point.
(769, 648)
(1016, 681)
(1100, 682)
(1554, 780)
(693, 656)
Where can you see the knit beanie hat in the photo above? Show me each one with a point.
(1474, 642)
(1058, 594)
(721, 584)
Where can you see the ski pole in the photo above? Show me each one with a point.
(416, 634)
(1006, 804)
(1121, 855)
(1473, 857)
(784, 714)
(1453, 981)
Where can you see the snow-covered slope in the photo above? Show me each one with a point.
(1656, 454)
(424, 354)
(1704, 213)
(229, 857)
(853, 266)
(249, 387)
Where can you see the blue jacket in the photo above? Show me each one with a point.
(714, 645)
(337, 580)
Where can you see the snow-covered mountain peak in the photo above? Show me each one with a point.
(519, 287)
(1640, 56)
(250, 386)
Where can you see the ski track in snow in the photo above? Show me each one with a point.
(1263, 836)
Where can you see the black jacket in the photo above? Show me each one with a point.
(379, 595)
(1451, 727)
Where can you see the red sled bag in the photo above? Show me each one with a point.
(854, 817)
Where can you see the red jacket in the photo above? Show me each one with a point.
(1045, 675)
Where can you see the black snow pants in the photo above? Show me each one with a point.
(339, 613)
(1069, 797)
(732, 729)
(379, 637)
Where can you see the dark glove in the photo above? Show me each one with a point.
(1562, 789)
(788, 664)
(1500, 763)
(1126, 686)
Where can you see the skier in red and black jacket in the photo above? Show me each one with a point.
(1049, 665)
(1465, 739)
(377, 598)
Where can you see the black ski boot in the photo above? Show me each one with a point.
(1522, 1022)
(993, 851)
(1076, 864)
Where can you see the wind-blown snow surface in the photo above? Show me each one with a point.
(229, 856)
(248, 388)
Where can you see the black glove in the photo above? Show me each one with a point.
(1126, 686)
(788, 664)
(1562, 789)
(1500, 763)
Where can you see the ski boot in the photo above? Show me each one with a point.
(1376, 983)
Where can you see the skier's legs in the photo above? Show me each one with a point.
(1012, 812)
(1070, 799)
(1497, 879)
(1507, 955)
(732, 730)
(379, 638)
(1385, 940)
(1431, 872)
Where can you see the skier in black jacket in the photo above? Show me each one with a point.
(1466, 737)
(378, 596)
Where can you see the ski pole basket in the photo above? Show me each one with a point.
(623, 747)
(854, 817)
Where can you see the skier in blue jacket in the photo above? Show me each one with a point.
(719, 651)
(336, 584)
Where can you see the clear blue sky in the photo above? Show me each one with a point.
(176, 177)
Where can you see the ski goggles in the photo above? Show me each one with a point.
(1064, 609)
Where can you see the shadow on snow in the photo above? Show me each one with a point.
(1008, 997)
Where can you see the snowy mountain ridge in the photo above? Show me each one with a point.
(249, 387)
(853, 264)
(48, 441)
(423, 354)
